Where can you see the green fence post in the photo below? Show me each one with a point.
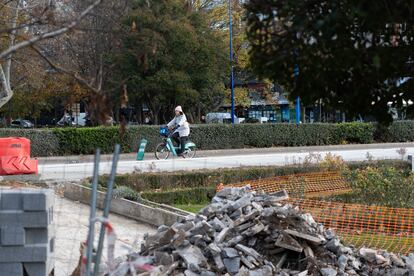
(141, 150)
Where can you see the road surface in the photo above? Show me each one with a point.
(67, 171)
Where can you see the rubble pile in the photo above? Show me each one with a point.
(246, 233)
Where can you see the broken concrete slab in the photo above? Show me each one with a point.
(304, 236)
(368, 254)
(308, 252)
(334, 245)
(229, 252)
(256, 229)
(222, 235)
(235, 240)
(219, 263)
(253, 214)
(232, 265)
(342, 262)
(264, 271)
(328, 271)
(193, 255)
(287, 242)
(247, 263)
(249, 251)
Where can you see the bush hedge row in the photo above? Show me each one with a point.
(73, 141)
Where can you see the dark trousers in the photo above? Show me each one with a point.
(181, 141)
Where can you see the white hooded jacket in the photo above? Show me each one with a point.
(182, 124)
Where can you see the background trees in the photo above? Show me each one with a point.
(27, 24)
(169, 57)
(355, 55)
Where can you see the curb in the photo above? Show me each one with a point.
(149, 212)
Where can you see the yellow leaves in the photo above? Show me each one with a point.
(241, 97)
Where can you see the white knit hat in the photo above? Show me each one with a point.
(179, 109)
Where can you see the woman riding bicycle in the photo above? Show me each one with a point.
(181, 129)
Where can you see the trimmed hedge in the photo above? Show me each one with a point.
(43, 142)
(73, 141)
(402, 131)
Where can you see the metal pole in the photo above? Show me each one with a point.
(92, 214)
(107, 205)
(296, 74)
(297, 110)
(231, 63)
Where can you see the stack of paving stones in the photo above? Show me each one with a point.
(248, 234)
(26, 232)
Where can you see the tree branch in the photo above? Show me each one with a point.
(51, 34)
(75, 75)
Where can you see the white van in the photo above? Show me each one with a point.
(221, 117)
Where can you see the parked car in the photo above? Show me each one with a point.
(221, 117)
(65, 121)
(20, 123)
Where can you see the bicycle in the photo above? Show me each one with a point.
(163, 150)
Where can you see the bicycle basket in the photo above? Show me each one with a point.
(164, 131)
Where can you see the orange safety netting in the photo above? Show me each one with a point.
(307, 184)
(360, 225)
(378, 227)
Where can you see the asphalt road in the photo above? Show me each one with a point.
(73, 171)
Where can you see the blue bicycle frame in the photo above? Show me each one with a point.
(173, 149)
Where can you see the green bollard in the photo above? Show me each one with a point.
(141, 150)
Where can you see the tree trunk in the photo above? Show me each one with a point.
(155, 112)
(7, 93)
(139, 113)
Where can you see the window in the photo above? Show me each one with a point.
(255, 114)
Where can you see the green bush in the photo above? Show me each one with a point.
(72, 141)
(86, 140)
(197, 195)
(401, 131)
(384, 185)
(43, 141)
(126, 192)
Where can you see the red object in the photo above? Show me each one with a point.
(15, 157)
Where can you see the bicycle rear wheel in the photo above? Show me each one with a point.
(189, 153)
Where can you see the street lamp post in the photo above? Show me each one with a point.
(231, 63)
(296, 75)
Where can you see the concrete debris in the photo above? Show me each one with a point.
(303, 236)
(329, 271)
(342, 262)
(245, 233)
(368, 254)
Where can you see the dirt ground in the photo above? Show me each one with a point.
(71, 225)
(71, 221)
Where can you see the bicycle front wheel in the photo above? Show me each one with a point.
(162, 152)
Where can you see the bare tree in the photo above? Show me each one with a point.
(87, 53)
(27, 23)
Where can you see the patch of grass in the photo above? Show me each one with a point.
(193, 208)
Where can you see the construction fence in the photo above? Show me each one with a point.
(379, 227)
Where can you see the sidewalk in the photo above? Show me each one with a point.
(149, 155)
